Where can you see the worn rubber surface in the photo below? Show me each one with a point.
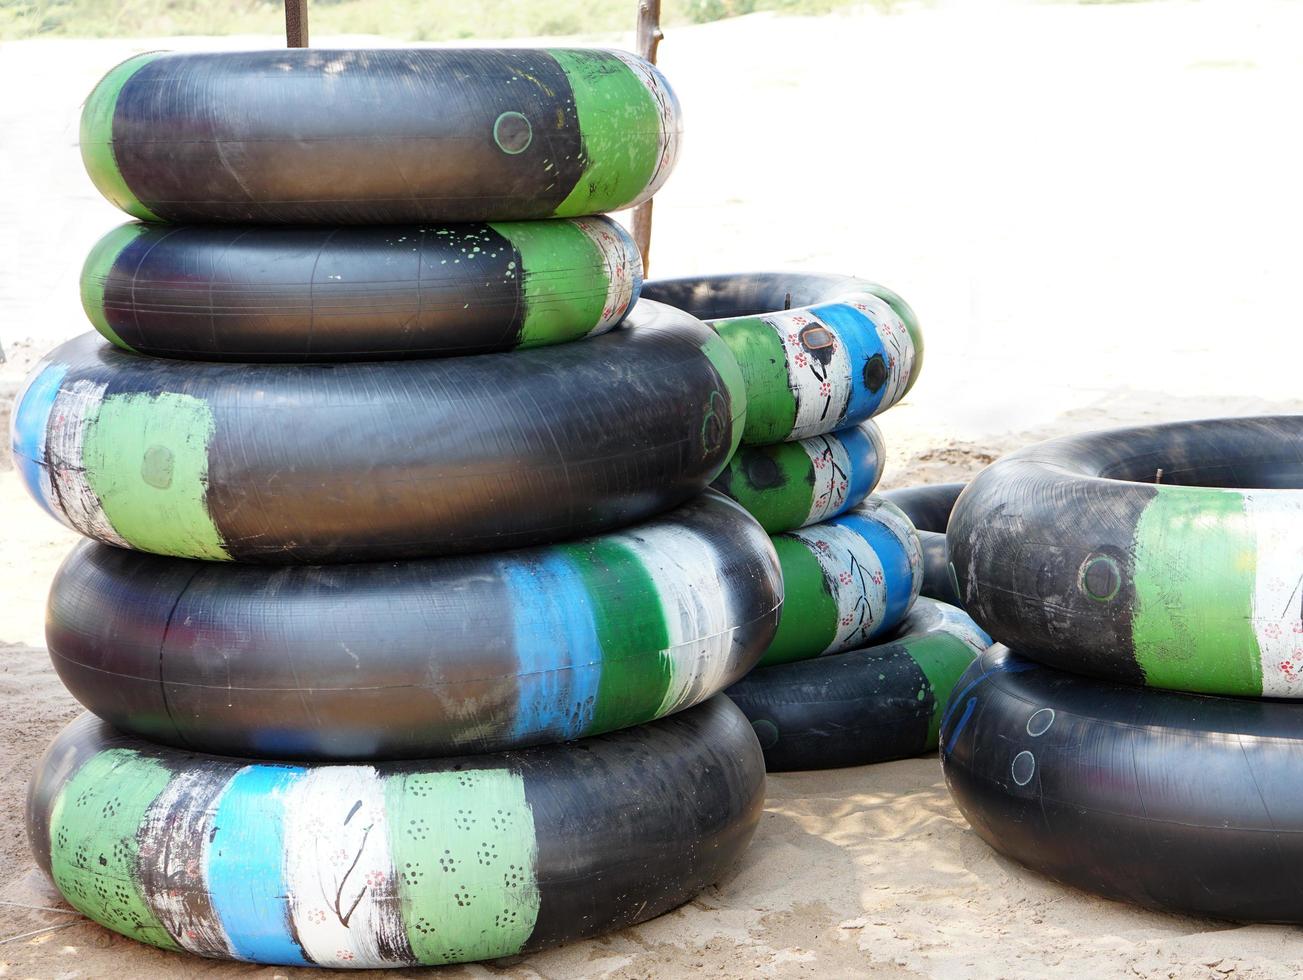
(872, 705)
(429, 862)
(818, 352)
(211, 292)
(379, 460)
(928, 509)
(375, 136)
(411, 659)
(1179, 802)
(1073, 554)
(845, 581)
(787, 485)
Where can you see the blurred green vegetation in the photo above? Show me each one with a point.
(411, 20)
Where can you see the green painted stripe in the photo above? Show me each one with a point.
(774, 483)
(564, 280)
(96, 137)
(93, 841)
(758, 350)
(632, 631)
(620, 126)
(809, 617)
(730, 373)
(1195, 573)
(465, 851)
(95, 272)
(910, 319)
(146, 458)
(943, 659)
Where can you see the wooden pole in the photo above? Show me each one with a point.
(648, 39)
(296, 23)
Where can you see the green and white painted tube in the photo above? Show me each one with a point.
(1169, 556)
(794, 484)
(846, 581)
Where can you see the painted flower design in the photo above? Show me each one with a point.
(825, 389)
(1272, 630)
(800, 360)
(800, 321)
(846, 620)
(317, 915)
(345, 954)
(876, 577)
(844, 578)
(375, 878)
(823, 546)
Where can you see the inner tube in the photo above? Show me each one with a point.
(872, 705)
(818, 352)
(397, 864)
(216, 293)
(412, 659)
(928, 509)
(794, 484)
(845, 581)
(1164, 555)
(1177, 802)
(372, 136)
(376, 461)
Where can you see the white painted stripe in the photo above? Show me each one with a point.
(668, 113)
(619, 277)
(338, 869)
(1276, 517)
(855, 575)
(896, 521)
(685, 569)
(820, 379)
(895, 339)
(173, 843)
(75, 408)
(832, 476)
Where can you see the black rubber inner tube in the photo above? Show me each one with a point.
(872, 705)
(379, 460)
(375, 136)
(468, 858)
(240, 293)
(420, 658)
(1179, 802)
(1167, 555)
(818, 352)
(928, 508)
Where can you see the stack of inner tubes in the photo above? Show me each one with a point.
(820, 355)
(1136, 731)
(384, 511)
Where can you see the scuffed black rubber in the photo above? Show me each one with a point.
(438, 861)
(379, 460)
(929, 509)
(347, 293)
(1165, 555)
(872, 705)
(1177, 802)
(412, 659)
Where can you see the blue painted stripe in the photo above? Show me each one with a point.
(246, 865)
(1007, 667)
(866, 463)
(30, 421)
(859, 336)
(557, 648)
(959, 726)
(895, 566)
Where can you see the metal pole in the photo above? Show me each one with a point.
(648, 39)
(296, 23)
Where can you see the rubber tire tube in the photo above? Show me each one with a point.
(217, 293)
(928, 509)
(818, 352)
(414, 659)
(374, 136)
(1164, 555)
(845, 581)
(880, 703)
(1179, 802)
(375, 461)
(469, 858)
(788, 485)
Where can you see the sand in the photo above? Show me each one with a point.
(1094, 210)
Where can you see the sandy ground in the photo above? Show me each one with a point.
(1095, 210)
